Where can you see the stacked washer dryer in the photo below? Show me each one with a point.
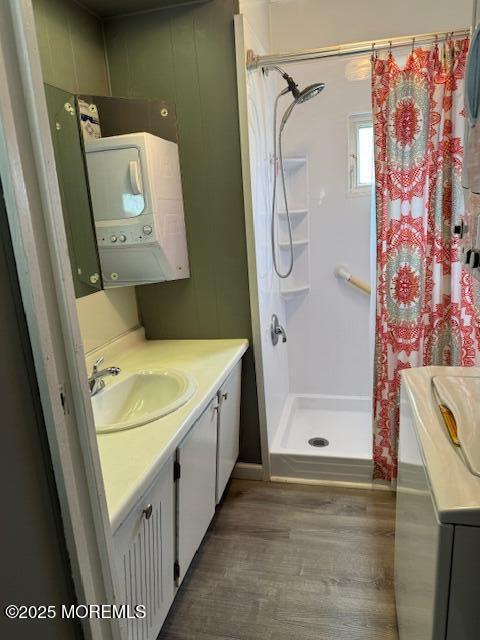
(137, 202)
(437, 538)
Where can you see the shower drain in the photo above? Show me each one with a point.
(318, 442)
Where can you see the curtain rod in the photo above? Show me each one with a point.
(367, 46)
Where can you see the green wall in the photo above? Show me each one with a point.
(187, 55)
(71, 46)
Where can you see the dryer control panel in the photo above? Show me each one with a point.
(124, 234)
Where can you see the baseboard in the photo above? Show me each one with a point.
(248, 471)
(372, 486)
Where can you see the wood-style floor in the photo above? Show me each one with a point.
(291, 562)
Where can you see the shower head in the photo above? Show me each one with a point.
(306, 94)
(299, 96)
(310, 92)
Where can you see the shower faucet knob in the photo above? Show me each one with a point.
(277, 330)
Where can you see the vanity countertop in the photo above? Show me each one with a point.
(131, 459)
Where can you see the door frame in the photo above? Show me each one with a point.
(34, 212)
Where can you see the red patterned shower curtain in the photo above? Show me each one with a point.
(427, 308)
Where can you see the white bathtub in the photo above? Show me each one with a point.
(345, 421)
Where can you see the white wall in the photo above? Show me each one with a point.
(106, 315)
(305, 24)
(256, 14)
(260, 95)
(329, 328)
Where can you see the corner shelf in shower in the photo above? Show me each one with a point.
(296, 178)
(293, 212)
(294, 292)
(294, 163)
(296, 243)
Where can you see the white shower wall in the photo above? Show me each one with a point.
(329, 328)
(260, 96)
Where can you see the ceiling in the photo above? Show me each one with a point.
(110, 8)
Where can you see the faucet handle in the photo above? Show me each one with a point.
(97, 363)
(277, 330)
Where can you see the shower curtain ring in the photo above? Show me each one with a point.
(389, 47)
(373, 51)
(413, 44)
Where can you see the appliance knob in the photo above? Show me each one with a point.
(113, 238)
(122, 237)
(147, 229)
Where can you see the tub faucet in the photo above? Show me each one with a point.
(277, 330)
(96, 380)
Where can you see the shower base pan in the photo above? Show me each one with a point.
(299, 451)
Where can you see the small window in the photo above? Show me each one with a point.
(361, 167)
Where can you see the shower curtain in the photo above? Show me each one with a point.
(427, 307)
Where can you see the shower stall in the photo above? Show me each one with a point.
(315, 387)
(315, 377)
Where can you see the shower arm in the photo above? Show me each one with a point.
(292, 85)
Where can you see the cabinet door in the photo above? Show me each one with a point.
(228, 429)
(144, 547)
(196, 486)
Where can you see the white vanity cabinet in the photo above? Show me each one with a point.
(157, 540)
(196, 460)
(144, 547)
(228, 433)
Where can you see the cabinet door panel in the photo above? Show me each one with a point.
(144, 550)
(196, 486)
(228, 429)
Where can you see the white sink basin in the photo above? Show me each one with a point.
(141, 397)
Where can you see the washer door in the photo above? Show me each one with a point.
(116, 183)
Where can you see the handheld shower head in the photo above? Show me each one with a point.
(306, 94)
(299, 97)
(310, 92)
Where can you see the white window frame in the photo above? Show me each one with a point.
(356, 122)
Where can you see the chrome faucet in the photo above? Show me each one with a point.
(277, 330)
(96, 380)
